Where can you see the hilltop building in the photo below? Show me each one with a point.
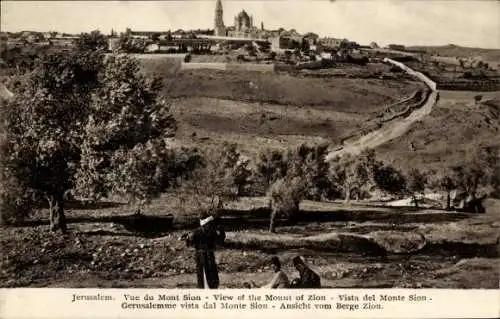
(243, 26)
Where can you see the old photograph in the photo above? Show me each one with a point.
(222, 144)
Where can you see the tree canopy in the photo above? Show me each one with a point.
(83, 122)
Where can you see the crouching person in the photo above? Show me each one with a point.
(205, 239)
(307, 277)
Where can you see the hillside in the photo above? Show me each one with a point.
(455, 125)
(461, 52)
(271, 110)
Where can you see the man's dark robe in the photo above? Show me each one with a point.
(308, 279)
(204, 240)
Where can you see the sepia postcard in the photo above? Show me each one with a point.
(258, 158)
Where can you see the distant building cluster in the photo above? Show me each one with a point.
(243, 30)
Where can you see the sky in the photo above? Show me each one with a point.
(473, 23)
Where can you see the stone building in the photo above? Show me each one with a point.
(243, 26)
(331, 43)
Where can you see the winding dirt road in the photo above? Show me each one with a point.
(391, 130)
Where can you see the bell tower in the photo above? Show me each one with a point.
(219, 28)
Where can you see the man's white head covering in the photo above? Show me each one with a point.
(206, 220)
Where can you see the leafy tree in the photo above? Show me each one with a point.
(93, 41)
(42, 123)
(389, 179)
(301, 173)
(271, 166)
(446, 182)
(284, 198)
(213, 182)
(14, 200)
(351, 174)
(128, 44)
(124, 147)
(442, 180)
(416, 182)
(79, 121)
(468, 179)
(309, 162)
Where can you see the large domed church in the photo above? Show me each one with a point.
(243, 25)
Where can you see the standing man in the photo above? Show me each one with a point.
(205, 239)
(308, 278)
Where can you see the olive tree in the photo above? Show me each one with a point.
(285, 195)
(124, 137)
(80, 121)
(42, 125)
(216, 179)
(303, 176)
(351, 174)
(389, 179)
(416, 183)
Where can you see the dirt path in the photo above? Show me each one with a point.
(387, 132)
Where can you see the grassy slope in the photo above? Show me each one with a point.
(259, 110)
(345, 95)
(456, 124)
(339, 94)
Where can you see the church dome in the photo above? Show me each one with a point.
(244, 19)
(243, 15)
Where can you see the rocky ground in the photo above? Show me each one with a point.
(459, 252)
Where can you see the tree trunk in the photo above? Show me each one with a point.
(272, 222)
(415, 201)
(347, 198)
(56, 211)
(294, 214)
(448, 201)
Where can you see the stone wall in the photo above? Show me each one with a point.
(229, 66)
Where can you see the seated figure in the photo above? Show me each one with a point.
(279, 280)
(307, 279)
